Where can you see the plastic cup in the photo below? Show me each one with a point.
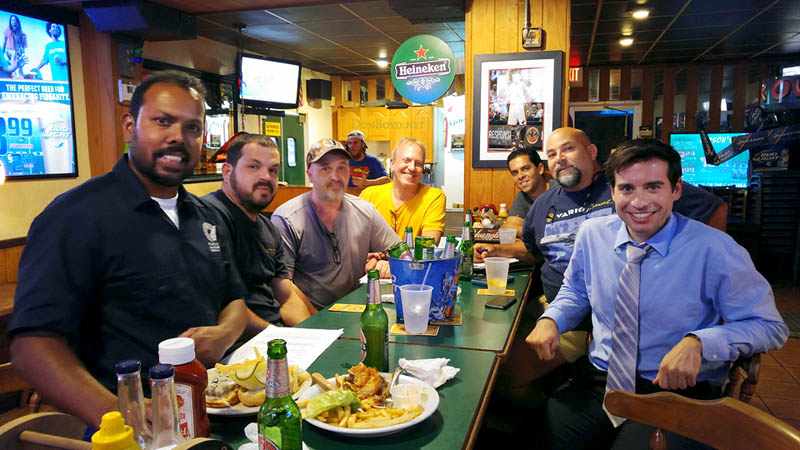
(406, 396)
(416, 300)
(507, 235)
(496, 274)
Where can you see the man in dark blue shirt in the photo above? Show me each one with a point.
(126, 260)
(250, 181)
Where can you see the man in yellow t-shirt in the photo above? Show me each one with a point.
(405, 202)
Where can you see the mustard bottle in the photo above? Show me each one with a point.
(114, 434)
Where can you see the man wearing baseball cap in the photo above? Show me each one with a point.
(329, 235)
(365, 169)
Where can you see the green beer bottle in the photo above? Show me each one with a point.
(466, 253)
(374, 327)
(279, 418)
(409, 237)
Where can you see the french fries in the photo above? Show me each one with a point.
(371, 418)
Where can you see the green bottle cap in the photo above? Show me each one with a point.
(409, 230)
(466, 224)
(451, 238)
(373, 275)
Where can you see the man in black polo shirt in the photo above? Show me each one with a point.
(249, 183)
(126, 260)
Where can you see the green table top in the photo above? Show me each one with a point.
(455, 424)
(481, 329)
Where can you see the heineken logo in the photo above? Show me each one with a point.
(423, 69)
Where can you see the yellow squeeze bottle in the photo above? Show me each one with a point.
(114, 434)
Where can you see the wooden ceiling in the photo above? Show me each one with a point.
(348, 37)
(683, 31)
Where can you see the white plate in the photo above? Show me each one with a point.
(236, 410)
(429, 400)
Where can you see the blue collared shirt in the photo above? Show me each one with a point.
(697, 281)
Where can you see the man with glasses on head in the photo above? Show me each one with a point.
(249, 184)
(405, 202)
(329, 234)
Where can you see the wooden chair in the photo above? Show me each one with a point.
(12, 381)
(46, 430)
(721, 423)
(743, 378)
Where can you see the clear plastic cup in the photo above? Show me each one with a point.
(416, 299)
(507, 235)
(496, 274)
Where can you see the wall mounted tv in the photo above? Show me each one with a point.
(733, 172)
(268, 82)
(36, 115)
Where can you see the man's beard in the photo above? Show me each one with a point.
(571, 179)
(248, 199)
(148, 168)
(331, 195)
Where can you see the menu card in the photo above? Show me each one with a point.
(303, 345)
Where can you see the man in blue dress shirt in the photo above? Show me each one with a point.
(701, 302)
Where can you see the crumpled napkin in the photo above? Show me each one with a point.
(433, 371)
(251, 433)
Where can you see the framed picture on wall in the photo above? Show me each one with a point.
(516, 101)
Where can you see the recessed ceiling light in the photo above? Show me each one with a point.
(382, 54)
(625, 42)
(382, 63)
(641, 14)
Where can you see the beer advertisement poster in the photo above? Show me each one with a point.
(36, 123)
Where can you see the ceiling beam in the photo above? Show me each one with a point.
(594, 31)
(664, 31)
(773, 46)
(775, 2)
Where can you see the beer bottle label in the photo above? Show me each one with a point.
(265, 443)
(364, 345)
(277, 384)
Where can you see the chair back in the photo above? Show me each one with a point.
(46, 430)
(721, 423)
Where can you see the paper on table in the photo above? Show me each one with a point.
(480, 265)
(303, 345)
(363, 280)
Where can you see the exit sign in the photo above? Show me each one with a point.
(575, 75)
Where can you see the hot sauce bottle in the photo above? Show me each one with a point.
(191, 381)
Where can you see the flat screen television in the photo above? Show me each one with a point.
(733, 172)
(36, 115)
(268, 82)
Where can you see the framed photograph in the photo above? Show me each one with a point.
(516, 101)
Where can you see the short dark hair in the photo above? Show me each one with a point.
(638, 150)
(240, 140)
(180, 79)
(521, 151)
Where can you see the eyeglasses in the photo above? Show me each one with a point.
(337, 255)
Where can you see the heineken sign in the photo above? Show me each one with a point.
(423, 69)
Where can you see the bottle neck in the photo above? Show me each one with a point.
(374, 292)
(278, 384)
(465, 234)
(165, 413)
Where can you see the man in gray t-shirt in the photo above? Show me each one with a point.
(328, 234)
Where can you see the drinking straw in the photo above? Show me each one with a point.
(425, 278)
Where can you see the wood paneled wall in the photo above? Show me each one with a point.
(495, 26)
(10, 253)
(668, 86)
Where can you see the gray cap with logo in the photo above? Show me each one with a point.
(322, 147)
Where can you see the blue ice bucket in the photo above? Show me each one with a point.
(442, 274)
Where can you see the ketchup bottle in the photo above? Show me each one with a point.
(191, 381)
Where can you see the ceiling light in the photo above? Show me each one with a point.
(382, 63)
(382, 54)
(641, 14)
(625, 42)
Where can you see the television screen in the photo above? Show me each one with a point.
(268, 82)
(693, 161)
(36, 123)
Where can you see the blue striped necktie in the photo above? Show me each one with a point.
(625, 337)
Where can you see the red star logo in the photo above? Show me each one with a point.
(422, 53)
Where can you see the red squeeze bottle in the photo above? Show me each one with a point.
(191, 381)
